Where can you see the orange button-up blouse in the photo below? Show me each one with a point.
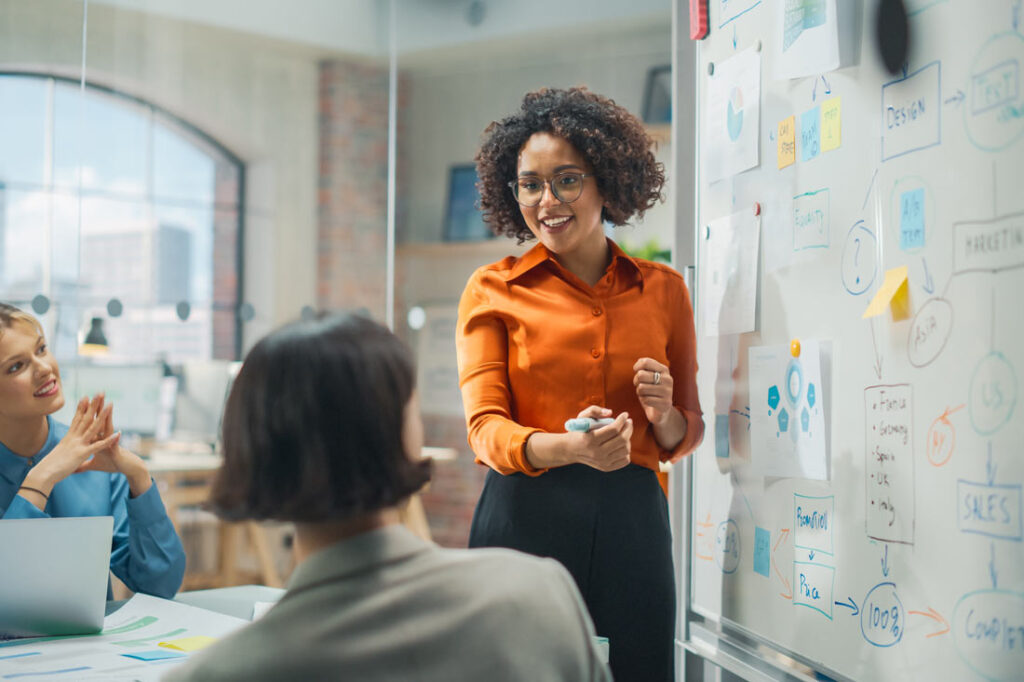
(536, 345)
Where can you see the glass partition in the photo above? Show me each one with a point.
(462, 65)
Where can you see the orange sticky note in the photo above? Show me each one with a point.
(831, 124)
(188, 643)
(894, 293)
(787, 142)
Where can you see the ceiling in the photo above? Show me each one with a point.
(364, 27)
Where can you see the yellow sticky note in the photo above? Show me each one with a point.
(188, 643)
(787, 142)
(831, 124)
(894, 293)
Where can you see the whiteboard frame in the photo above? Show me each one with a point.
(703, 637)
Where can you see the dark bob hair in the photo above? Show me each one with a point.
(612, 140)
(313, 425)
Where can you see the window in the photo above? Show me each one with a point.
(104, 196)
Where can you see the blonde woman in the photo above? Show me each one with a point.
(49, 469)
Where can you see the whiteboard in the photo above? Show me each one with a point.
(906, 561)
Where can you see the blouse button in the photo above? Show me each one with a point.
(596, 310)
(595, 352)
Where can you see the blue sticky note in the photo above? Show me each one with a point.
(810, 134)
(721, 435)
(912, 219)
(155, 655)
(762, 551)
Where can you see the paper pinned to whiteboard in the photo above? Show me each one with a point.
(808, 39)
(728, 266)
(787, 412)
(733, 116)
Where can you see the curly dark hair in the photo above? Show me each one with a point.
(609, 137)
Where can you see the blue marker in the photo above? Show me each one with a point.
(584, 424)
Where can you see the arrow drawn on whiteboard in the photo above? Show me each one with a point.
(929, 285)
(992, 568)
(956, 99)
(878, 356)
(990, 466)
(870, 185)
(937, 617)
(850, 604)
(788, 594)
(885, 562)
(739, 487)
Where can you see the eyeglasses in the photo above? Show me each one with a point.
(566, 187)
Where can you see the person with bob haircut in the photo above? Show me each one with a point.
(322, 429)
(575, 328)
(49, 469)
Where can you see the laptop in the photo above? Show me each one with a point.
(54, 577)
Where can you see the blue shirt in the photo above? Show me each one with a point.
(146, 553)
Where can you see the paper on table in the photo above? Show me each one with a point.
(733, 116)
(155, 655)
(893, 293)
(728, 286)
(787, 412)
(194, 643)
(808, 43)
(136, 627)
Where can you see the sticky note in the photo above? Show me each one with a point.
(155, 655)
(912, 219)
(810, 134)
(721, 435)
(188, 643)
(894, 293)
(787, 142)
(831, 124)
(762, 551)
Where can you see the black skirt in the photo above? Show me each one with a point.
(611, 531)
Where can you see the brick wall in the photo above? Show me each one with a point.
(352, 204)
(352, 216)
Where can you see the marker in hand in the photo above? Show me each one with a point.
(584, 424)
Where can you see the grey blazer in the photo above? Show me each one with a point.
(386, 605)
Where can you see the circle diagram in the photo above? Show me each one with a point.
(993, 105)
(727, 546)
(929, 332)
(734, 114)
(993, 393)
(859, 265)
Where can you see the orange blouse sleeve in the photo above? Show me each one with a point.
(682, 352)
(481, 342)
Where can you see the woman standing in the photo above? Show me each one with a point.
(48, 469)
(577, 328)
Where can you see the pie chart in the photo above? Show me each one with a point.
(734, 114)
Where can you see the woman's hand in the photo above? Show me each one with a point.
(654, 389)
(116, 459)
(81, 441)
(606, 448)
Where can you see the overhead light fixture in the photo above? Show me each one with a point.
(95, 342)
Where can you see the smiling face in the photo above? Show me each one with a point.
(565, 229)
(29, 377)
